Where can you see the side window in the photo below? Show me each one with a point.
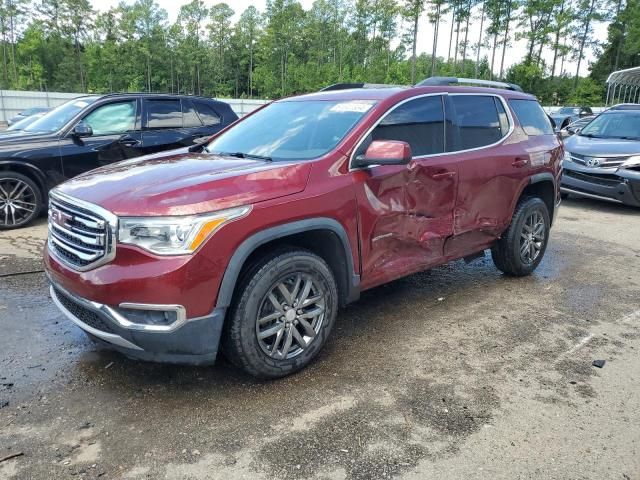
(207, 114)
(478, 121)
(189, 116)
(112, 118)
(163, 114)
(418, 122)
(531, 117)
(502, 116)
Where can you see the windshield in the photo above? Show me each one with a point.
(59, 116)
(569, 110)
(614, 124)
(288, 130)
(25, 122)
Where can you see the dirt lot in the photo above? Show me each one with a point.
(457, 373)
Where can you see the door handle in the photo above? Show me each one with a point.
(129, 142)
(520, 162)
(440, 176)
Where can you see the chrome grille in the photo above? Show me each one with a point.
(603, 162)
(80, 235)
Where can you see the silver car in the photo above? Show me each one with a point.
(603, 159)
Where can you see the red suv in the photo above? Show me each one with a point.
(251, 243)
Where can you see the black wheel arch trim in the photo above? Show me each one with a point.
(541, 177)
(250, 244)
(40, 177)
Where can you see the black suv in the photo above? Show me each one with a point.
(92, 131)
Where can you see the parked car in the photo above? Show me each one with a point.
(93, 131)
(26, 114)
(576, 126)
(603, 160)
(22, 124)
(567, 115)
(256, 238)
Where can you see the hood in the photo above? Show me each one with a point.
(602, 147)
(10, 138)
(184, 183)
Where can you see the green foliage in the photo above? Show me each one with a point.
(211, 50)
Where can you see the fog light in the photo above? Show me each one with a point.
(149, 317)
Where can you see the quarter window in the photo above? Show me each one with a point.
(531, 117)
(478, 121)
(164, 114)
(112, 118)
(189, 115)
(207, 114)
(418, 122)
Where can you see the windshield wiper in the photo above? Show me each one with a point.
(590, 135)
(245, 155)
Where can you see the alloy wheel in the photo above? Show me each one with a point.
(290, 316)
(532, 237)
(18, 202)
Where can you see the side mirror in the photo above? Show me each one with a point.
(384, 152)
(82, 130)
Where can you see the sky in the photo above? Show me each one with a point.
(515, 53)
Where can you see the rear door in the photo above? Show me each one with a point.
(162, 125)
(406, 212)
(492, 165)
(116, 136)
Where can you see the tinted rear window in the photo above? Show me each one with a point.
(164, 114)
(207, 114)
(531, 116)
(478, 121)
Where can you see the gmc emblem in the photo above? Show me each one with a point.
(60, 218)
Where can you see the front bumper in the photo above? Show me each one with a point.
(619, 186)
(194, 342)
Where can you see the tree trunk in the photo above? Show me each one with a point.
(466, 37)
(583, 40)
(413, 54)
(493, 54)
(453, 20)
(436, 28)
(480, 40)
(506, 37)
(556, 43)
(455, 56)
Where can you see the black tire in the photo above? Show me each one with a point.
(31, 195)
(506, 252)
(240, 341)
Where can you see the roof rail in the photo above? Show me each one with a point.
(346, 86)
(441, 81)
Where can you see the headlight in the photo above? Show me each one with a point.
(631, 162)
(174, 235)
(567, 156)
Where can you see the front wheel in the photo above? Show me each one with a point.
(522, 246)
(282, 315)
(20, 200)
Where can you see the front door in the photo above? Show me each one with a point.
(406, 212)
(116, 136)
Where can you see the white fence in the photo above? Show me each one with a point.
(13, 102)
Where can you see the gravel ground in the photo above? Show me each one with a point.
(456, 373)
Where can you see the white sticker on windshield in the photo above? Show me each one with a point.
(359, 107)
(80, 104)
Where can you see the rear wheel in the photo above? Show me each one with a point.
(521, 248)
(282, 315)
(20, 200)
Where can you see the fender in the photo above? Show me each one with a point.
(36, 173)
(250, 244)
(532, 180)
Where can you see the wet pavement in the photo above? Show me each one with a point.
(456, 373)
